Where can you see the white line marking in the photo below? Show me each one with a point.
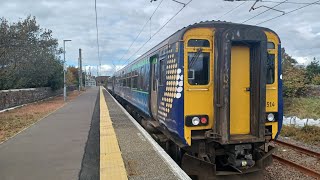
(164, 156)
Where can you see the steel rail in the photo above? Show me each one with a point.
(305, 170)
(298, 148)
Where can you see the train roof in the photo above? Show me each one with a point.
(178, 35)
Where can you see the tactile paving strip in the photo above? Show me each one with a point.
(111, 162)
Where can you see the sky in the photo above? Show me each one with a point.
(120, 21)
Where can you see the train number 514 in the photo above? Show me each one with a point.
(270, 104)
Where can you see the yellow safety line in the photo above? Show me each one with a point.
(111, 162)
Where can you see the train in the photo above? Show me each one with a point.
(211, 93)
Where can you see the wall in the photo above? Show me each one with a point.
(16, 97)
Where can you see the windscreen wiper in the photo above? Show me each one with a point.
(195, 57)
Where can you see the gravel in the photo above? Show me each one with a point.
(279, 171)
(299, 143)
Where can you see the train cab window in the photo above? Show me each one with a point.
(198, 68)
(198, 43)
(270, 45)
(270, 68)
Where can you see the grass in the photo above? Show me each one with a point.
(13, 121)
(302, 107)
(307, 134)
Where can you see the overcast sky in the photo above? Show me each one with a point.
(120, 21)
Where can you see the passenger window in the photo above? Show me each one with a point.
(129, 80)
(135, 79)
(270, 68)
(198, 43)
(162, 72)
(154, 77)
(140, 79)
(199, 68)
(124, 83)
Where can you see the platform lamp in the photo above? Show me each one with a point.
(64, 70)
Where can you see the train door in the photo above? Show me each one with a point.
(240, 90)
(154, 86)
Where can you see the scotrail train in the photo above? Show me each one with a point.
(211, 92)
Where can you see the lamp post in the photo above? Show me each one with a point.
(64, 70)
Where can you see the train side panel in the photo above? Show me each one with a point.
(132, 84)
(171, 91)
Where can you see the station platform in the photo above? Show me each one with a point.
(62, 146)
(91, 137)
(130, 152)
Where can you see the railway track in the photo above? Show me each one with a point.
(295, 165)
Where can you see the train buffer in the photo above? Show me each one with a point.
(127, 151)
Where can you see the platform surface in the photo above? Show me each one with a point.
(141, 159)
(54, 147)
(91, 137)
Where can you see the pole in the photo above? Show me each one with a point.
(80, 70)
(81, 81)
(64, 71)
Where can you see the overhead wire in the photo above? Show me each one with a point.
(289, 2)
(158, 31)
(143, 27)
(264, 11)
(231, 10)
(315, 2)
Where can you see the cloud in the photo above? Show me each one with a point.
(106, 69)
(120, 22)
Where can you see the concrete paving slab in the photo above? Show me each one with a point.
(52, 148)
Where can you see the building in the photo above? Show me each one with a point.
(90, 81)
(102, 80)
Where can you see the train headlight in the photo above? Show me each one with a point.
(270, 117)
(195, 121)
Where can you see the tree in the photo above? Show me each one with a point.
(316, 80)
(30, 55)
(72, 76)
(294, 78)
(313, 70)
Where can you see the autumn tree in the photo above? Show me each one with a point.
(72, 76)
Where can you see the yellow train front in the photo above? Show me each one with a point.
(232, 97)
(212, 93)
